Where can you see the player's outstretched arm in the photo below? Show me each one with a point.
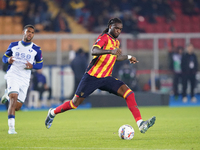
(96, 51)
(132, 59)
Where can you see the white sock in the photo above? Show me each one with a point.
(11, 123)
(139, 122)
(52, 112)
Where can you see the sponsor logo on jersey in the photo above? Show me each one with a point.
(98, 40)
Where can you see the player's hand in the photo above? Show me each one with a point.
(116, 51)
(133, 60)
(11, 60)
(28, 65)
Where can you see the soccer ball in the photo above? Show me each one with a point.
(126, 132)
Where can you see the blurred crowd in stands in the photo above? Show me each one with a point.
(36, 13)
(7, 7)
(94, 14)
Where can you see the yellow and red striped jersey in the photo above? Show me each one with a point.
(102, 66)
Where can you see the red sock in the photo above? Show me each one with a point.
(132, 105)
(64, 107)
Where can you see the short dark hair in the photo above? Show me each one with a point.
(29, 25)
(110, 22)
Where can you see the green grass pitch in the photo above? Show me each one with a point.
(97, 129)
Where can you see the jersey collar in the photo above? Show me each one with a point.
(112, 36)
(25, 43)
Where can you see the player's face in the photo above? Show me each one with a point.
(28, 34)
(115, 29)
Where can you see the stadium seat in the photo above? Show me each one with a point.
(149, 44)
(140, 44)
(17, 19)
(177, 10)
(1, 25)
(195, 43)
(186, 19)
(162, 43)
(175, 4)
(4, 45)
(1, 20)
(179, 42)
(186, 28)
(166, 28)
(48, 45)
(158, 28)
(178, 28)
(179, 18)
(150, 28)
(17, 28)
(142, 24)
(8, 28)
(195, 18)
(195, 27)
(130, 44)
(8, 19)
(160, 19)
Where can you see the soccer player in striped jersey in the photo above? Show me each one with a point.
(98, 76)
(21, 57)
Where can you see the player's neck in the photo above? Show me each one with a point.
(26, 43)
(111, 36)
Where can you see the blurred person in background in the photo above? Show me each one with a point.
(175, 66)
(60, 23)
(79, 65)
(40, 84)
(21, 57)
(127, 73)
(189, 66)
(105, 53)
(189, 7)
(78, 7)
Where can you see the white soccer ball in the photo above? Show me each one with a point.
(126, 132)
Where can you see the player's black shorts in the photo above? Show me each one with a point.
(89, 84)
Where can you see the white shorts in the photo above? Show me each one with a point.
(16, 85)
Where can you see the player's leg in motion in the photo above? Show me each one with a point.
(129, 96)
(13, 106)
(72, 104)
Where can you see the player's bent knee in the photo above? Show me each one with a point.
(13, 96)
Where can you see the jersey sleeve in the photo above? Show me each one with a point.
(38, 60)
(101, 41)
(8, 53)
